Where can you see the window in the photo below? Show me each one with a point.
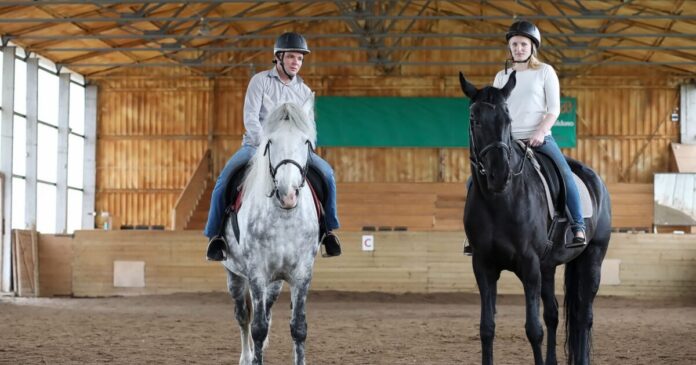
(47, 153)
(48, 93)
(48, 98)
(74, 210)
(18, 188)
(1, 73)
(20, 96)
(77, 109)
(45, 208)
(19, 146)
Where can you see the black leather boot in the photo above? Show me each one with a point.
(332, 246)
(217, 247)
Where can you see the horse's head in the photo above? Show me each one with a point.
(490, 132)
(290, 137)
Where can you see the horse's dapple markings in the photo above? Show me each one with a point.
(278, 232)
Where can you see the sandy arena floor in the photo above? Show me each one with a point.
(344, 328)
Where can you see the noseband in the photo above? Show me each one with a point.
(274, 169)
(477, 157)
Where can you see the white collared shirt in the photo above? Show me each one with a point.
(268, 82)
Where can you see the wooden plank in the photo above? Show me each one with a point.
(684, 156)
(27, 263)
(55, 265)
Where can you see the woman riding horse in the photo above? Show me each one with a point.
(507, 217)
(534, 106)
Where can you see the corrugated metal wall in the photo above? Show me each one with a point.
(152, 133)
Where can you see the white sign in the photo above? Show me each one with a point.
(368, 243)
(129, 274)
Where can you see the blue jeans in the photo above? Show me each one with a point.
(241, 158)
(551, 149)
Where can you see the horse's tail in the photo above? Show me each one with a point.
(577, 336)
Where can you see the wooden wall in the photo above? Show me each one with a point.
(637, 265)
(152, 132)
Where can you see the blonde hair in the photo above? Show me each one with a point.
(534, 62)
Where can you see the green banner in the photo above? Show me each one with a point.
(564, 131)
(344, 121)
(392, 122)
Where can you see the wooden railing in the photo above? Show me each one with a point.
(186, 204)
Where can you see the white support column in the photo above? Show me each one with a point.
(7, 120)
(32, 142)
(687, 119)
(90, 168)
(62, 165)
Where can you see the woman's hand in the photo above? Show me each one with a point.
(537, 139)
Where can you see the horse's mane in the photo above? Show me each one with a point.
(291, 115)
(287, 120)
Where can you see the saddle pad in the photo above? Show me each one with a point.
(585, 201)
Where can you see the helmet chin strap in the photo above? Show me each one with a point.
(282, 65)
(512, 59)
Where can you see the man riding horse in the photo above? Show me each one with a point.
(280, 84)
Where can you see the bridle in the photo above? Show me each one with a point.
(477, 157)
(274, 169)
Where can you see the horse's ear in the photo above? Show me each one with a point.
(468, 89)
(507, 89)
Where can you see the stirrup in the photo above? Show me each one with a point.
(217, 249)
(577, 241)
(468, 250)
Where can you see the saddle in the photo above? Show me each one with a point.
(559, 227)
(233, 197)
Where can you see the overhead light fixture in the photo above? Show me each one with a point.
(203, 27)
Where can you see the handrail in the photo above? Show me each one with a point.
(188, 199)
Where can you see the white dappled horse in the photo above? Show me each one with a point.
(278, 231)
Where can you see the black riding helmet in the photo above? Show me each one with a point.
(291, 42)
(288, 42)
(526, 29)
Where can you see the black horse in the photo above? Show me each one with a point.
(506, 219)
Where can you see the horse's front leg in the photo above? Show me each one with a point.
(531, 280)
(548, 296)
(259, 325)
(271, 296)
(239, 290)
(298, 320)
(487, 280)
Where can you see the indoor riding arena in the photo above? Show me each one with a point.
(117, 117)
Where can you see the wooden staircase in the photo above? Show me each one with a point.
(191, 208)
(199, 217)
